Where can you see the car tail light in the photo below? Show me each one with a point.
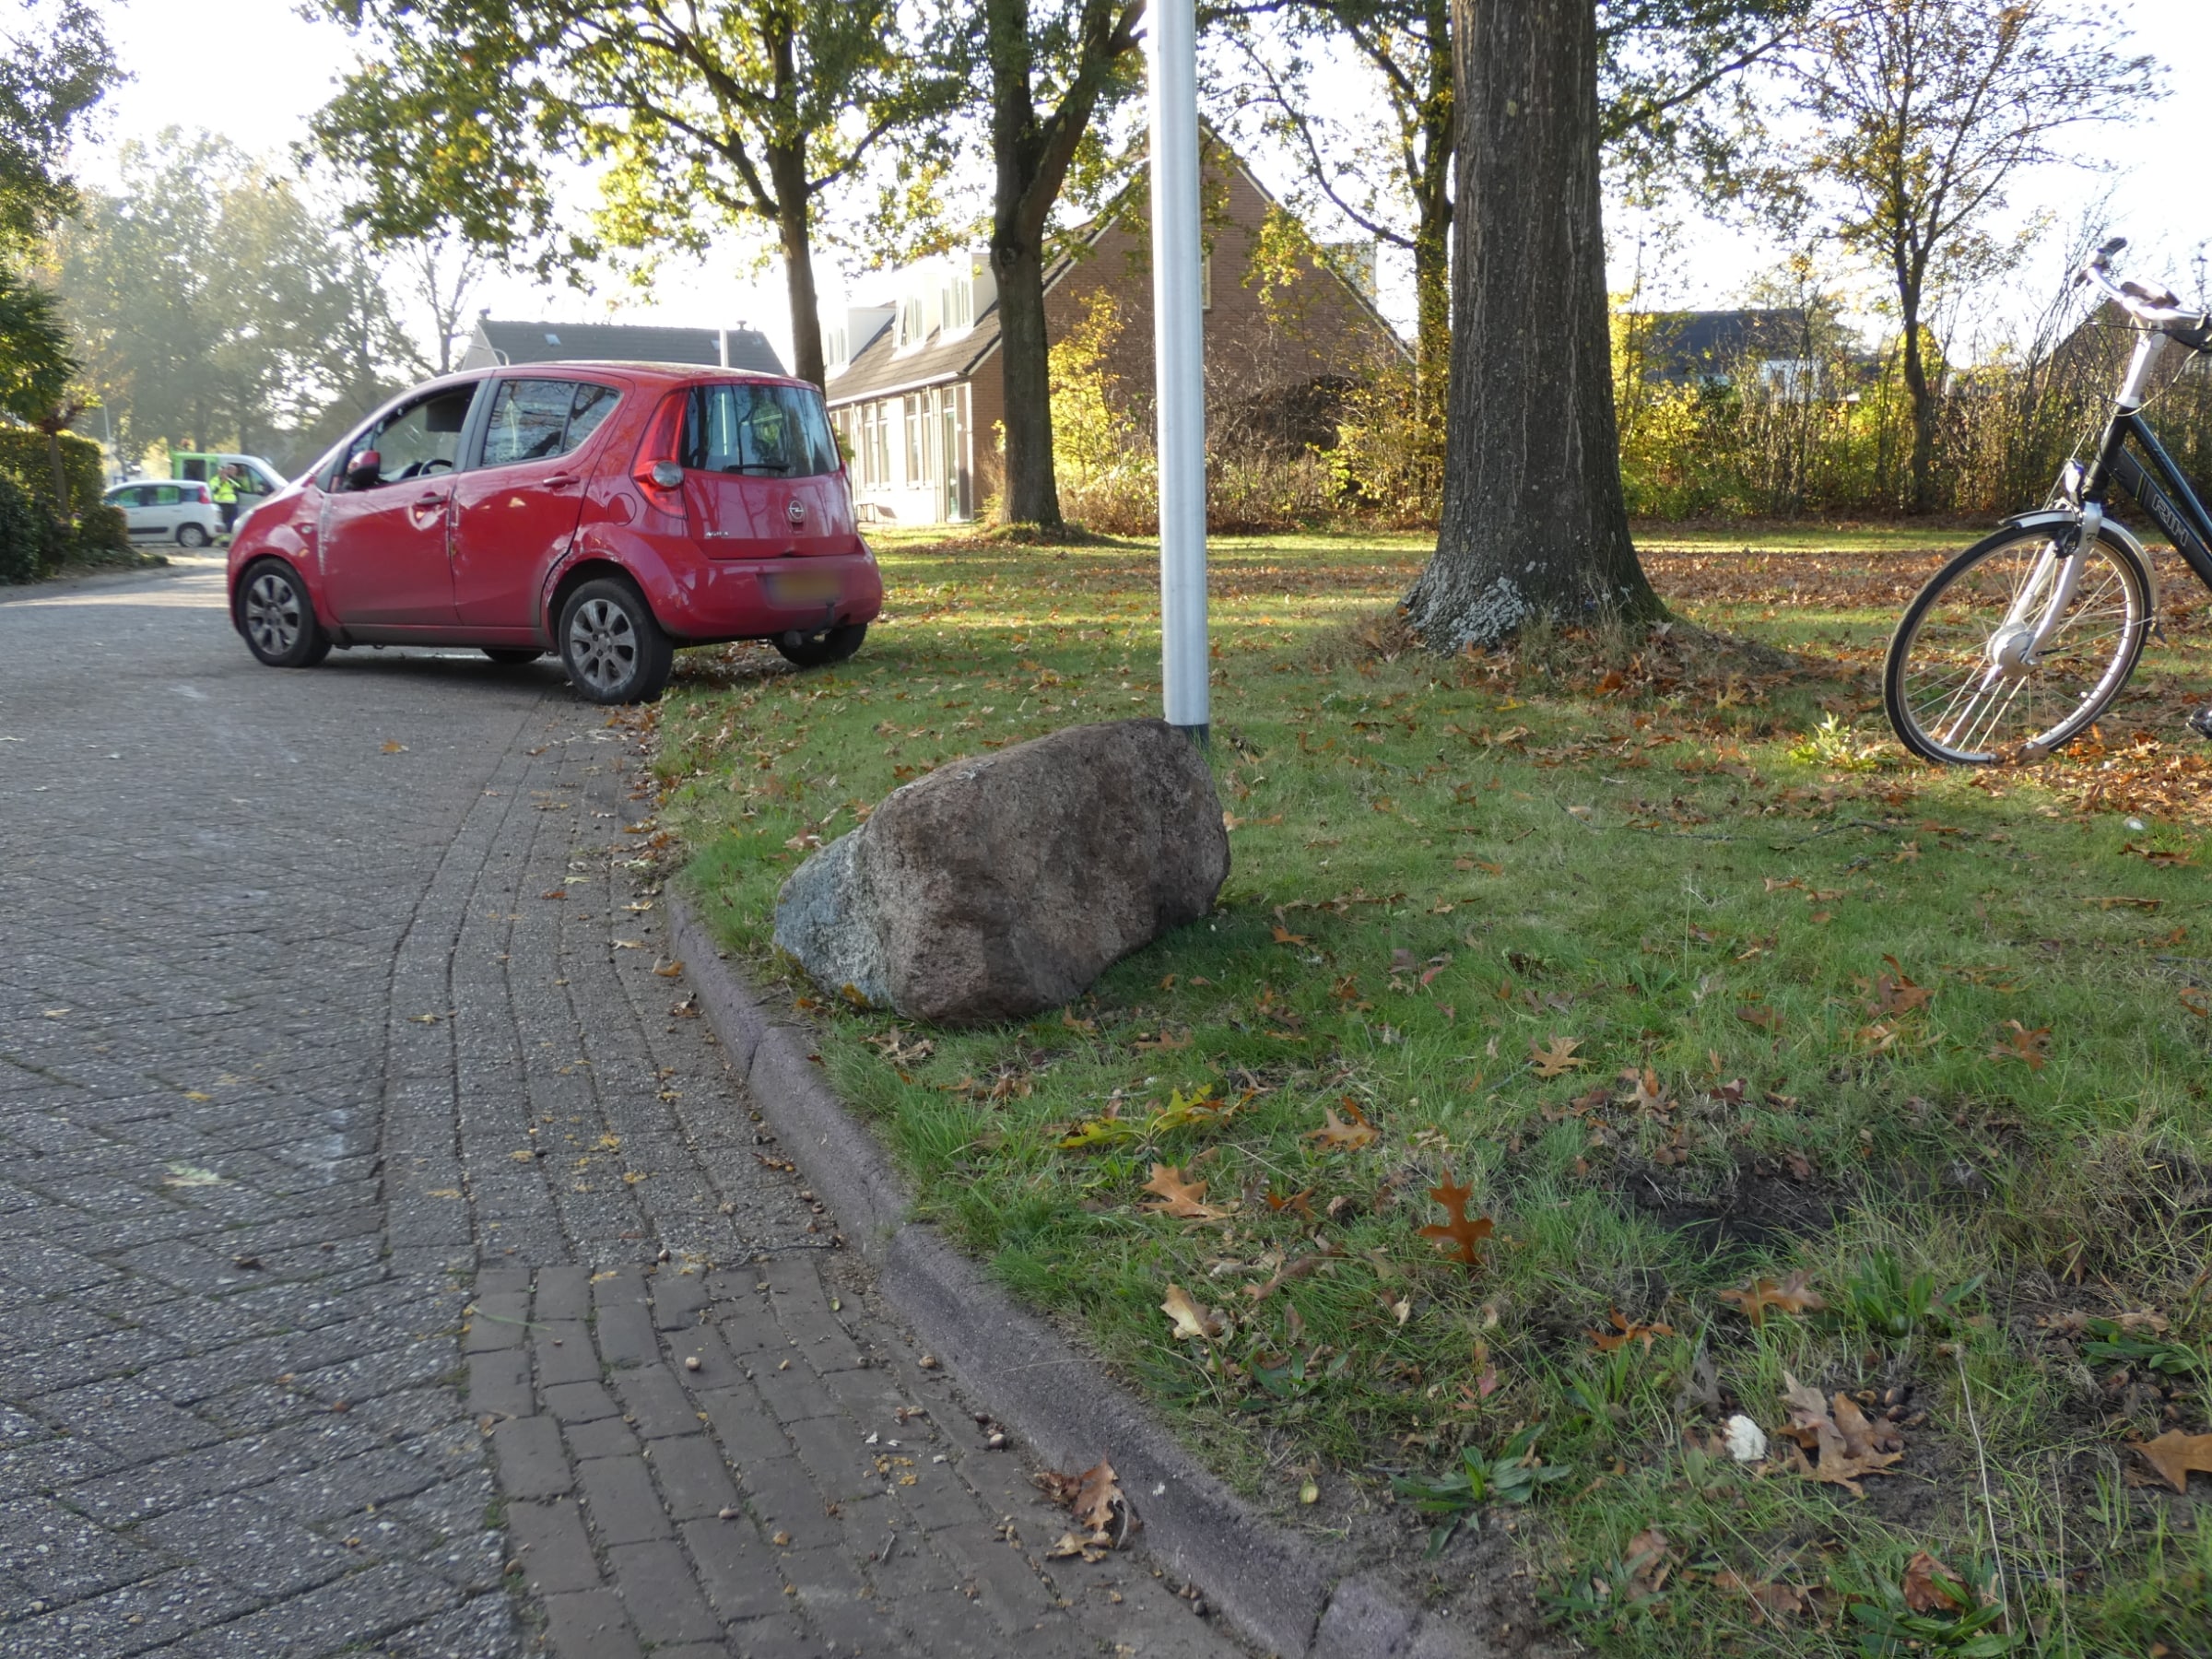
(205, 500)
(656, 472)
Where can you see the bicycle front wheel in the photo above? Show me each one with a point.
(1961, 685)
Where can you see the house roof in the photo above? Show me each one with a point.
(1686, 341)
(879, 369)
(494, 343)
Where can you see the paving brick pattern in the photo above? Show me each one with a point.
(388, 1261)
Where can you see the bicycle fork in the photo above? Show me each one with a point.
(2016, 645)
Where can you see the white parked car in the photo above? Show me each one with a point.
(178, 510)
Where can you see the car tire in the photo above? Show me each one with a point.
(277, 619)
(820, 650)
(612, 645)
(512, 656)
(191, 536)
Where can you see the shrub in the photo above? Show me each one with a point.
(25, 459)
(27, 531)
(102, 536)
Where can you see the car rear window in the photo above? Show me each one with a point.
(744, 427)
(536, 419)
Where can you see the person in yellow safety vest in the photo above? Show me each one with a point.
(224, 491)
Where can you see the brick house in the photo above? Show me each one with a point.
(915, 385)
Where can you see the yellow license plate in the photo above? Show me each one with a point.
(803, 587)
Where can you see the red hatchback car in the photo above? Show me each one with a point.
(607, 511)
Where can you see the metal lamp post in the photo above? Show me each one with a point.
(1179, 347)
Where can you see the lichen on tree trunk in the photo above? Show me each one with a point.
(1534, 520)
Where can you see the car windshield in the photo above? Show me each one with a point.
(749, 426)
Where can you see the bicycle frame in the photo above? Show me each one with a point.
(2151, 480)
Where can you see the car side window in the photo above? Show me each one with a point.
(167, 495)
(745, 427)
(537, 419)
(420, 441)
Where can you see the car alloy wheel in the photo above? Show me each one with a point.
(273, 615)
(602, 646)
(192, 535)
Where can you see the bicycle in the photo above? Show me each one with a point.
(2016, 645)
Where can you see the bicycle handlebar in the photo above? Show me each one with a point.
(2157, 308)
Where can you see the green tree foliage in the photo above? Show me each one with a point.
(55, 67)
(743, 113)
(35, 363)
(218, 309)
(1923, 112)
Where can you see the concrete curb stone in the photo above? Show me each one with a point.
(1273, 1586)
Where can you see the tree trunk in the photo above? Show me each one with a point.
(1432, 229)
(62, 506)
(1031, 491)
(787, 169)
(1534, 519)
(1922, 495)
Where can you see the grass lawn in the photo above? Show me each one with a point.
(1712, 1010)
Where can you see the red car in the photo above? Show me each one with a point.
(607, 511)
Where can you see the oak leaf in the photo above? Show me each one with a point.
(1791, 1296)
(1651, 1094)
(1557, 1060)
(1894, 993)
(1462, 1232)
(2026, 1046)
(1192, 1319)
(1774, 1601)
(1844, 1445)
(1185, 1200)
(1931, 1587)
(1625, 1331)
(1334, 1134)
(2174, 1454)
(1283, 935)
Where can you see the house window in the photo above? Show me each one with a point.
(956, 300)
(917, 440)
(834, 354)
(913, 325)
(879, 447)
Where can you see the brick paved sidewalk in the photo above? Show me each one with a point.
(310, 1045)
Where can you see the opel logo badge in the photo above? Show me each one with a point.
(798, 512)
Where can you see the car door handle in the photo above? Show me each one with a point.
(432, 499)
(558, 481)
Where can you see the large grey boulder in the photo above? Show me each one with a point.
(998, 887)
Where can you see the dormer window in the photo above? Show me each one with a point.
(957, 298)
(913, 325)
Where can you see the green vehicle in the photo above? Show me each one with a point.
(256, 480)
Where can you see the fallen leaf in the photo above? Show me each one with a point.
(1625, 1331)
(2175, 1454)
(1192, 1319)
(190, 1175)
(1765, 1019)
(672, 970)
(1791, 1296)
(1181, 1199)
(1896, 994)
(1337, 1135)
(396, 748)
(1650, 1095)
(2026, 1046)
(1648, 1564)
(1844, 1445)
(1463, 1234)
(1931, 1587)
(1297, 1267)
(1097, 1495)
(1557, 1060)
(1773, 1601)
(1283, 935)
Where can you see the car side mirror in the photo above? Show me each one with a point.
(667, 474)
(366, 471)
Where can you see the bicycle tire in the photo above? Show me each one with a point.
(2074, 680)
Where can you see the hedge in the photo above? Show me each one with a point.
(23, 458)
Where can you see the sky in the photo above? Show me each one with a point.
(258, 78)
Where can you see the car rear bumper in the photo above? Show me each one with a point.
(704, 599)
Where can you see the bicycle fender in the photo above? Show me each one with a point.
(2057, 517)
